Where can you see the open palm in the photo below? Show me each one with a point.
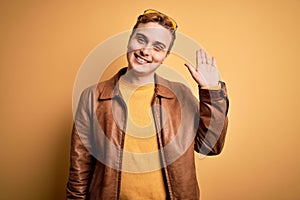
(206, 72)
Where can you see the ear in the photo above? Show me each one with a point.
(168, 52)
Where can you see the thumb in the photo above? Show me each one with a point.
(190, 68)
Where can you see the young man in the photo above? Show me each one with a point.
(135, 134)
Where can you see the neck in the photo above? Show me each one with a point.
(138, 79)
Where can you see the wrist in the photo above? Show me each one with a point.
(212, 87)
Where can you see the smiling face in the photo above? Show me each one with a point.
(147, 48)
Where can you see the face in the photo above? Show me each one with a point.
(148, 48)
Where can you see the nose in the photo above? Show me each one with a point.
(145, 51)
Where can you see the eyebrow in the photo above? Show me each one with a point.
(156, 42)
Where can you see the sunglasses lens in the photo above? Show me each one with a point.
(150, 11)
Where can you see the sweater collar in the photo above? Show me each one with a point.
(110, 88)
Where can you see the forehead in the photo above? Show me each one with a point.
(154, 32)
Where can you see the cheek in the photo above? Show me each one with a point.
(159, 57)
(134, 46)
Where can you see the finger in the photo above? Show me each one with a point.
(190, 68)
(214, 62)
(208, 60)
(198, 58)
(203, 57)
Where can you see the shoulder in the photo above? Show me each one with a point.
(104, 88)
(171, 89)
(90, 90)
(175, 87)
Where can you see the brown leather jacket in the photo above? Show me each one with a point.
(183, 125)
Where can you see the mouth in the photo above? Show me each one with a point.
(141, 60)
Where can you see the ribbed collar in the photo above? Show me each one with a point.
(110, 88)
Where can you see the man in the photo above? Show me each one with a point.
(135, 134)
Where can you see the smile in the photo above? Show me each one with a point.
(141, 60)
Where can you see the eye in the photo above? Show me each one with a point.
(141, 40)
(158, 47)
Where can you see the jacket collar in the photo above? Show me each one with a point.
(110, 88)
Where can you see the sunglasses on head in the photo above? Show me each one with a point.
(152, 11)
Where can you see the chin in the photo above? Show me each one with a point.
(147, 68)
(139, 69)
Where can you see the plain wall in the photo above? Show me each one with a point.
(257, 46)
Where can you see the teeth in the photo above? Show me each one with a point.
(141, 60)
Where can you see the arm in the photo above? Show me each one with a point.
(213, 121)
(81, 161)
(213, 106)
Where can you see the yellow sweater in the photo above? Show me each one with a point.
(141, 170)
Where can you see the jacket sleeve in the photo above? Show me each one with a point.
(213, 121)
(81, 161)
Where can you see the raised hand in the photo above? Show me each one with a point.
(206, 73)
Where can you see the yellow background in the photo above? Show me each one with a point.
(257, 46)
